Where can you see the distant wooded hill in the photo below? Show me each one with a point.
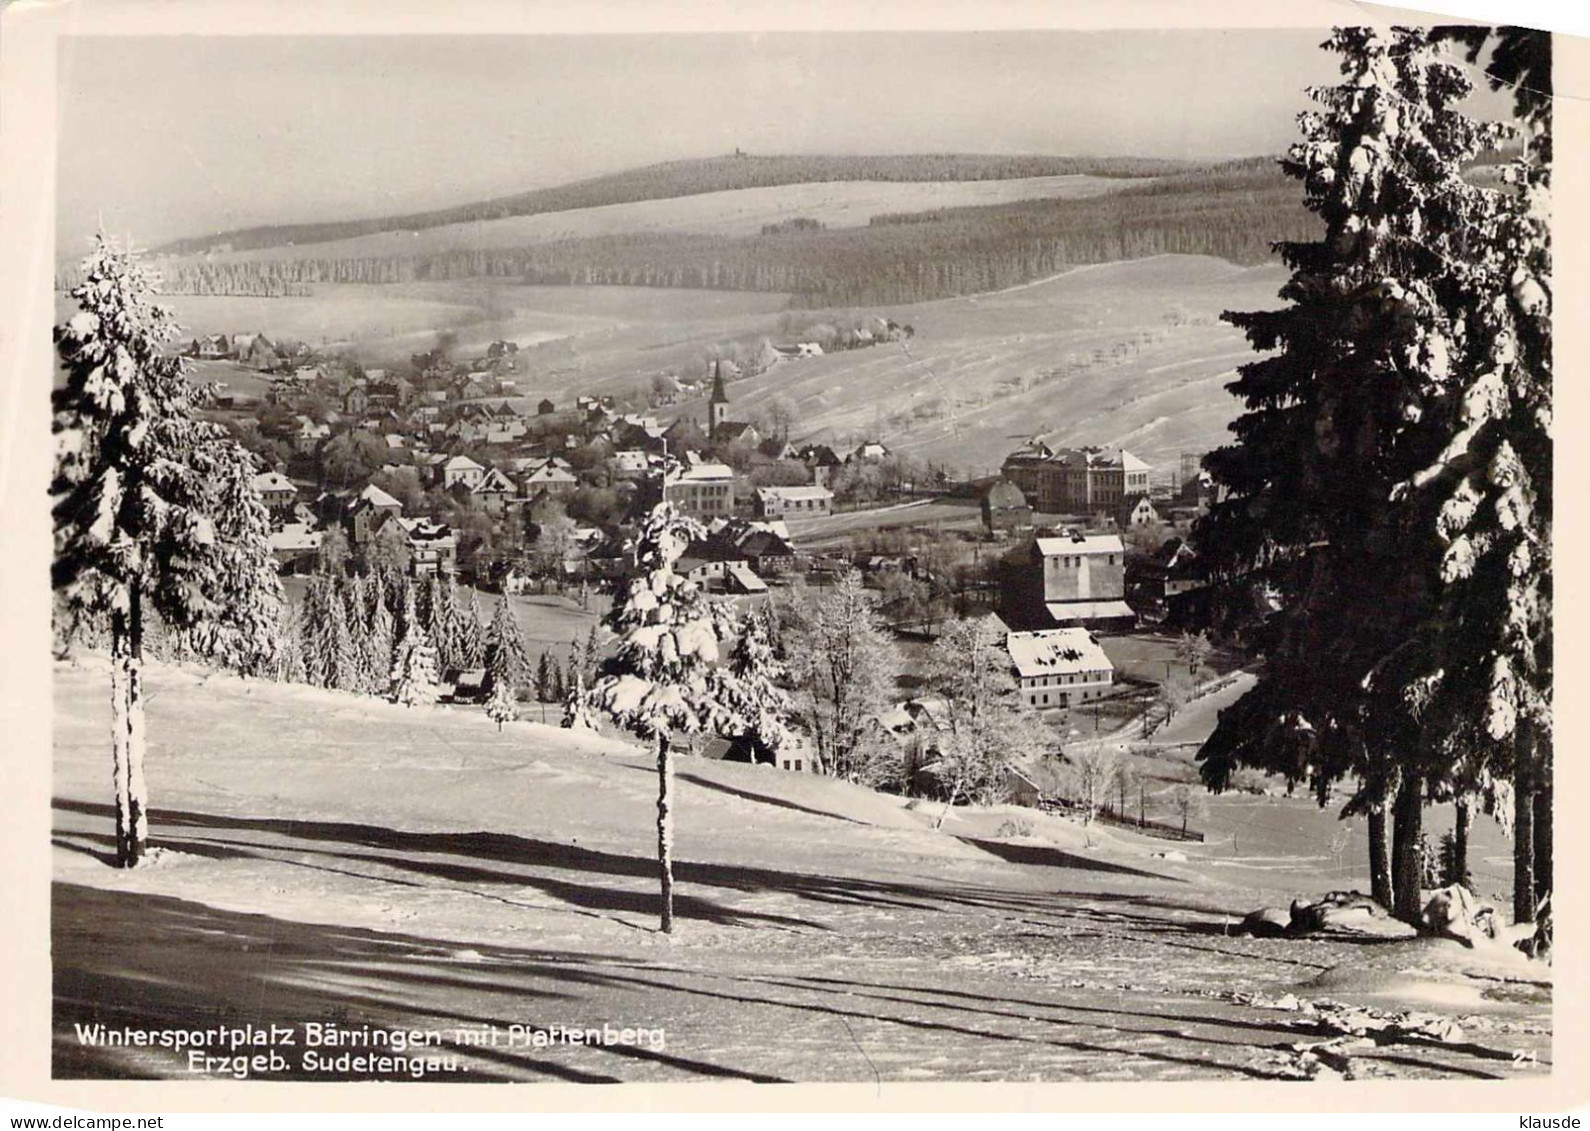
(690, 178)
(1233, 211)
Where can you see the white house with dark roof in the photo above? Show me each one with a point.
(1059, 668)
(432, 545)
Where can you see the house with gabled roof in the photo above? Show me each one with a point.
(1004, 507)
(701, 489)
(1137, 511)
(296, 546)
(277, 492)
(433, 548)
(768, 553)
(460, 470)
(368, 510)
(631, 463)
(494, 492)
(1169, 585)
(549, 477)
(1059, 668)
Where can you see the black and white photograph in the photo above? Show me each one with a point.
(881, 556)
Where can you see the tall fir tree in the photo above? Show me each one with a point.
(319, 634)
(289, 663)
(447, 627)
(344, 672)
(356, 615)
(1486, 687)
(378, 638)
(505, 655)
(471, 633)
(141, 534)
(1344, 407)
(246, 584)
(414, 676)
(543, 685)
(664, 679)
(759, 675)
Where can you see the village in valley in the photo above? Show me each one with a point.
(919, 616)
(456, 470)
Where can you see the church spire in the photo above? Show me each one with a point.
(718, 403)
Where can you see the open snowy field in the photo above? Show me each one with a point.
(1118, 353)
(325, 858)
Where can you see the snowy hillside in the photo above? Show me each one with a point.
(320, 855)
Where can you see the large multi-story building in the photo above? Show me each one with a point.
(701, 490)
(1074, 579)
(1076, 480)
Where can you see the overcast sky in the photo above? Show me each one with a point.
(168, 137)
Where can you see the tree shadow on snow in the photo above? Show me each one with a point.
(1042, 855)
(155, 963)
(531, 858)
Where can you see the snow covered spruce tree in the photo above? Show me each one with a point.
(154, 522)
(759, 697)
(330, 657)
(664, 677)
(1486, 687)
(506, 659)
(414, 676)
(1344, 408)
(471, 641)
(243, 580)
(500, 704)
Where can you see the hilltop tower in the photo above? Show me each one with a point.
(718, 403)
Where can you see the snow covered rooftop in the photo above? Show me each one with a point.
(273, 481)
(704, 472)
(378, 498)
(795, 493)
(1081, 544)
(296, 536)
(1053, 651)
(1088, 610)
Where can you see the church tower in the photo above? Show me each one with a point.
(718, 403)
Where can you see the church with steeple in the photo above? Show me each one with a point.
(720, 429)
(717, 404)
